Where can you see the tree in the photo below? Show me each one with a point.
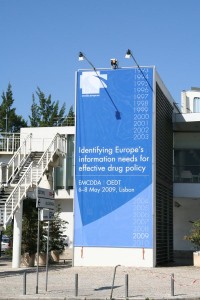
(46, 112)
(10, 121)
(70, 119)
(194, 236)
(29, 227)
(57, 228)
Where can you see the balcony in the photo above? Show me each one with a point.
(187, 174)
(9, 142)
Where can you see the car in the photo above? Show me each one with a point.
(5, 243)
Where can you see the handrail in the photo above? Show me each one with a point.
(17, 194)
(56, 143)
(28, 178)
(9, 142)
(18, 158)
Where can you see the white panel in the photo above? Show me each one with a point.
(130, 257)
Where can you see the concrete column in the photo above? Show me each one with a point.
(17, 237)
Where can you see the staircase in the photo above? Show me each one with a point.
(25, 175)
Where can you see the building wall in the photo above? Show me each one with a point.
(42, 136)
(160, 191)
(186, 194)
(190, 101)
(186, 211)
(164, 178)
(114, 136)
(66, 207)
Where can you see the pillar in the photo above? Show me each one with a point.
(17, 237)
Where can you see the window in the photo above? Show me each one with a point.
(196, 104)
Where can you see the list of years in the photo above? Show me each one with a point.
(141, 114)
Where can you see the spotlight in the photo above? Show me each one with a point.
(114, 63)
(81, 56)
(128, 54)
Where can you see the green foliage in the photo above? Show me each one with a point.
(56, 233)
(46, 112)
(70, 119)
(10, 121)
(8, 231)
(194, 236)
(30, 228)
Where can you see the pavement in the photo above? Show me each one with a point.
(62, 281)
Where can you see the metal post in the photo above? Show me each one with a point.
(172, 284)
(24, 283)
(126, 286)
(113, 281)
(0, 240)
(38, 250)
(76, 285)
(47, 257)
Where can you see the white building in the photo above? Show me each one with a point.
(44, 157)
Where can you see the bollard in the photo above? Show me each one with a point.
(76, 285)
(113, 281)
(24, 283)
(126, 286)
(172, 284)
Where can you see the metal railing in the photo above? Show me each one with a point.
(32, 176)
(8, 170)
(57, 144)
(187, 174)
(9, 142)
(18, 159)
(18, 194)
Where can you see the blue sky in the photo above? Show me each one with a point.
(41, 39)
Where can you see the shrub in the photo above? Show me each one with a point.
(194, 236)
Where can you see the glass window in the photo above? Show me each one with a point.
(196, 104)
(70, 162)
(187, 164)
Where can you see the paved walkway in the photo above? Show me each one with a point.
(97, 282)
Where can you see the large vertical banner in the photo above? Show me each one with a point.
(113, 165)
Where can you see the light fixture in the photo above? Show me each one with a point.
(130, 55)
(82, 57)
(114, 63)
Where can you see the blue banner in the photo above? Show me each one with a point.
(113, 165)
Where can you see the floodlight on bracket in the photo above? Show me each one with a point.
(130, 55)
(83, 57)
